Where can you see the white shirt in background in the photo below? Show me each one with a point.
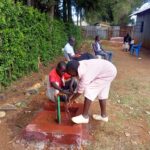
(68, 49)
(98, 47)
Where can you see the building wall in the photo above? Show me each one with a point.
(143, 35)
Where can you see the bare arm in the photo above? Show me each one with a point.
(73, 85)
(54, 85)
(75, 96)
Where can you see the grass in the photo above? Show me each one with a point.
(129, 99)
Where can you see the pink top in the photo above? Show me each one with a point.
(90, 70)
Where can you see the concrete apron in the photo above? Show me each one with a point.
(44, 126)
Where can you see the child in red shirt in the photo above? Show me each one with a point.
(60, 82)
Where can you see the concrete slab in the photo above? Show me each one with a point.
(45, 127)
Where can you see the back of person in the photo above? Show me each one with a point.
(93, 68)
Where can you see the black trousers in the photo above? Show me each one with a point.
(64, 97)
(84, 56)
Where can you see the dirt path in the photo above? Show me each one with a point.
(128, 106)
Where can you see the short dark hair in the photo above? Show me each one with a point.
(60, 65)
(72, 65)
(96, 37)
(71, 38)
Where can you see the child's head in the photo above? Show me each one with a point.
(61, 68)
(72, 68)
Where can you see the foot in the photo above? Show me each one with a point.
(100, 118)
(80, 119)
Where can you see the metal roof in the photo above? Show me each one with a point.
(142, 9)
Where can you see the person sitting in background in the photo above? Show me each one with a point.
(61, 83)
(71, 55)
(127, 42)
(98, 50)
(68, 49)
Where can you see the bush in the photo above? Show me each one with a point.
(74, 31)
(27, 35)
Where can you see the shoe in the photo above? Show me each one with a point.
(80, 119)
(100, 118)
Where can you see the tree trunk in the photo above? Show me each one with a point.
(80, 17)
(69, 11)
(29, 2)
(34, 3)
(78, 11)
(64, 11)
(51, 12)
(77, 18)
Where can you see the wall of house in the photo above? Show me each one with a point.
(143, 34)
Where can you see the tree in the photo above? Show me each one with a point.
(29, 2)
(64, 11)
(48, 6)
(122, 9)
(113, 11)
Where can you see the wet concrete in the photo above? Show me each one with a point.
(44, 126)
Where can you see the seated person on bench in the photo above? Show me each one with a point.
(61, 83)
(70, 54)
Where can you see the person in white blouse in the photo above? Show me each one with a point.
(98, 50)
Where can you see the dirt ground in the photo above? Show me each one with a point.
(128, 106)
